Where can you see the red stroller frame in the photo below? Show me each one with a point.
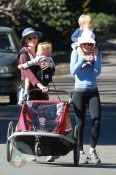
(58, 115)
(45, 126)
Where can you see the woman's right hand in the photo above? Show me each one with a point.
(45, 64)
(43, 88)
(20, 66)
(95, 51)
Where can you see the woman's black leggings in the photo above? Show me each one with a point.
(80, 102)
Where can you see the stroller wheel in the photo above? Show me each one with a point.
(9, 143)
(76, 151)
(10, 129)
(36, 148)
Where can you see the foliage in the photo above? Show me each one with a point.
(104, 6)
(57, 19)
(54, 19)
(104, 23)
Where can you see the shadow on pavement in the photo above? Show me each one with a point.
(63, 164)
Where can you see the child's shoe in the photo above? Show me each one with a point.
(86, 63)
(52, 158)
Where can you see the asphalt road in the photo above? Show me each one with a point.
(106, 144)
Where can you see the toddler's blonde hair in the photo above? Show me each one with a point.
(84, 19)
(45, 47)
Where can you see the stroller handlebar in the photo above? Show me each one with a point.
(56, 91)
(51, 90)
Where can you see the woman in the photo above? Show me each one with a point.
(29, 41)
(86, 91)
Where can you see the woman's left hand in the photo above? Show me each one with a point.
(89, 58)
(95, 51)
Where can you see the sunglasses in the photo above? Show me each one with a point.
(88, 44)
(32, 37)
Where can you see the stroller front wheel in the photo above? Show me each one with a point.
(76, 151)
(9, 143)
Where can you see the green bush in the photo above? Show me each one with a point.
(104, 23)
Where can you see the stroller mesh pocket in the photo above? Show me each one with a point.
(44, 120)
(45, 116)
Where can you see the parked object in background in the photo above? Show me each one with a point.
(9, 74)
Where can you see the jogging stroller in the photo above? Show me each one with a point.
(45, 127)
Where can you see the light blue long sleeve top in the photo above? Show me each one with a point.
(85, 78)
